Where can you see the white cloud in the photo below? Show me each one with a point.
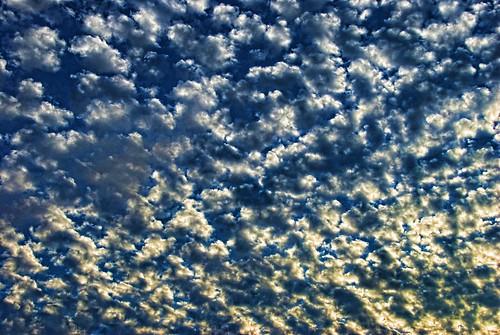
(458, 29)
(215, 51)
(48, 115)
(141, 29)
(29, 105)
(39, 48)
(107, 114)
(212, 51)
(477, 44)
(29, 88)
(289, 9)
(325, 76)
(321, 29)
(279, 69)
(15, 178)
(247, 28)
(224, 14)
(9, 105)
(279, 34)
(150, 23)
(3, 68)
(96, 24)
(92, 85)
(98, 56)
(448, 8)
(198, 6)
(191, 221)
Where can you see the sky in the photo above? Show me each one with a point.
(249, 167)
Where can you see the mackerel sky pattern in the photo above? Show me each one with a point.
(249, 167)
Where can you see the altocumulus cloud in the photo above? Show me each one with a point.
(249, 167)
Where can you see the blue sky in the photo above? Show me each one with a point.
(249, 167)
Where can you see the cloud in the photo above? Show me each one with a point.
(38, 48)
(32, 5)
(198, 6)
(287, 8)
(213, 51)
(50, 116)
(255, 167)
(459, 29)
(191, 221)
(140, 29)
(105, 115)
(98, 56)
(224, 14)
(29, 89)
(29, 106)
(91, 85)
(3, 68)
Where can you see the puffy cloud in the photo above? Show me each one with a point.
(38, 48)
(96, 24)
(247, 28)
(116, 87)
(191, 221)
(287, 8)
(30, 89)
(48, 115)
(150, 23)
(448, 8)
(460, 29)
(106, 113)
(201, 95)
(98, 56)
(279, 34)
(212, 51)
(481, 44)
(15, 178)
(142, 28)
(3, 68)
(250, 29)
(29, 106)
(198, 6)
(224, 14)
(321, 28)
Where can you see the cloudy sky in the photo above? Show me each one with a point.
(249, 167)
